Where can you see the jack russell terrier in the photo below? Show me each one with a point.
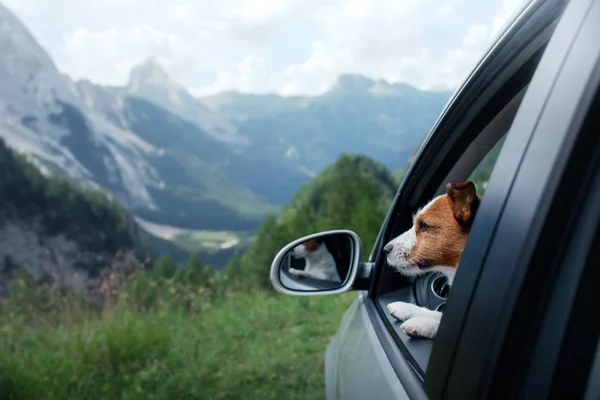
(435, 242)
(320, 264)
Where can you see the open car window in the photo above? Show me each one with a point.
(481, 175)
(432, 290)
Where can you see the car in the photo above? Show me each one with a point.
(520, 320)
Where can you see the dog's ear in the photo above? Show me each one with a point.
(313, 244)
(464, 200)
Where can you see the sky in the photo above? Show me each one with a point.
(289, 47)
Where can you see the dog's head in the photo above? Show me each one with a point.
(439, 232)
(310, 246)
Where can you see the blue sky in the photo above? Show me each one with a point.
(259, 46)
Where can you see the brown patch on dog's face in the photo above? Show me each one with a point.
(443, 228)
(312, 244)
(439, 233)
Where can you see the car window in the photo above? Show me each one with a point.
(420, 290)
(481, 175)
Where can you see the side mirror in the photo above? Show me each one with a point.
(319, 264)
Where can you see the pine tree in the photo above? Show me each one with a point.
(164, 268)
(269, 239)
(190, 273)
(233, 275)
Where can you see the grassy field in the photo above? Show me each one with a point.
(199, 241)
(196, 241)
(247, 346)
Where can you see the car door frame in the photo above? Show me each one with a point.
(497, 340)
(459, 115)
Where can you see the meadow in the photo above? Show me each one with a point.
(160, 338)
(206, 240)
(190, 331)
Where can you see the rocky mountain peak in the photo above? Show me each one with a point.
(150, 74)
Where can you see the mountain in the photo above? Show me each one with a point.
(210, 183)
(219, 163)
(346, 171)
(64, 235)
(60, 234)
(41, 113)
(358, 115)
(242, 106)
(150, 82)
(215, 163)
(150, 158)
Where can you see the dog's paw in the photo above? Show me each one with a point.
(403, 311)
(421, 327)
(294, 271)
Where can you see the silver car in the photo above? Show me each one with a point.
(522, 319)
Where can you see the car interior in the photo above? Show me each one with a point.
(432, 290)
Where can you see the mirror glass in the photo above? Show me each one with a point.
(321, 263)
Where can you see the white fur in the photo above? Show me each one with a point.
(418, 321)
(403, 245)
(421, 327)
(320, 264)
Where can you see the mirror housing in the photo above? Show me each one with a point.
(323, 263)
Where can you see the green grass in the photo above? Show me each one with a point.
(205, 240)
(247, 346)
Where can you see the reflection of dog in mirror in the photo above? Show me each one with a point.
(320, 264)
(435, 242)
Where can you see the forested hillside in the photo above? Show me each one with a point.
(53, 228)
(353, 193)
(84, 215)
(49, 207)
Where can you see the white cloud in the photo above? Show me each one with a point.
(249, 72)
(177, 12)
(108, 55)
(255, 11)
(459, 62)
(285, 46)
(509, 8)
(445, 8)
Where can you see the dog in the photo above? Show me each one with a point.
(320, 264)
(435, 242)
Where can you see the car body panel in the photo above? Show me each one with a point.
(356, 365)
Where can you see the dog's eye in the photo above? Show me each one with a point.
(423, 226)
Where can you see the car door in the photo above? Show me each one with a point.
(369, 345)
(524, 310)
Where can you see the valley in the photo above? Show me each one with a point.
(197, 174)
(215, 246)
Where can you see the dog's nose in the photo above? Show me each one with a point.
(388, 247)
